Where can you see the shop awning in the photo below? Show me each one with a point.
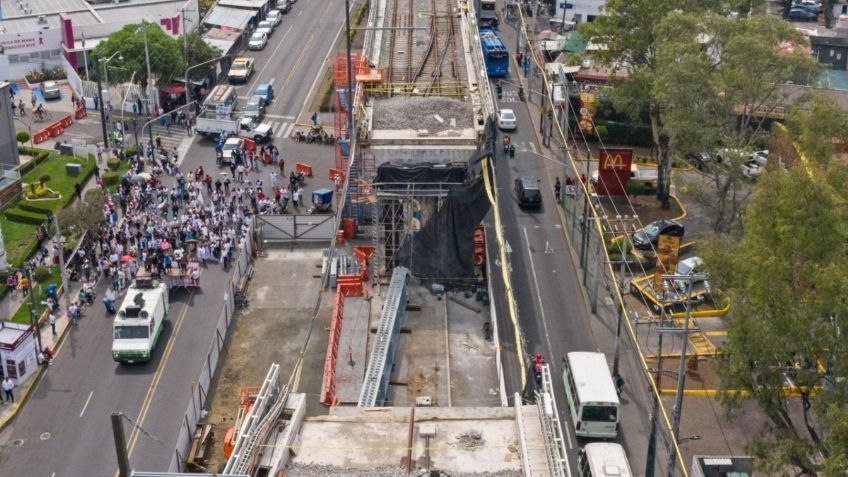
(225, 17)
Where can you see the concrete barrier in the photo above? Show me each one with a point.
(41, 136)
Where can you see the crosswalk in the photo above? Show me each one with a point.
(169, 141)
(282, 129)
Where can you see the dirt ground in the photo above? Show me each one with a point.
(272, 330)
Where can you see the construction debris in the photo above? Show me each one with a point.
(470, 440)
(314, 470)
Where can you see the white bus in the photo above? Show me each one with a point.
(139, 322)
(603, 459)
(592, 399)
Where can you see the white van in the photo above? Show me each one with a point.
(603, 459)
(139, 322)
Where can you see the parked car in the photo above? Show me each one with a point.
(702, 160)
(266, 92)
(507, 119)
(254, 108)
(809, 6)
(265, 27)
(232, 144)
(646, 238)
(527, 191)
(257, 41)
(284, 6)
(691, 266)
(50, 90)
(275, 16)
(802, 14)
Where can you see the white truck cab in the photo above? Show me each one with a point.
(139, 322)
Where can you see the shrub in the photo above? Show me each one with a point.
(41, 274)
(44, 178)
(131, 151)
(113, 163)
(23, 217)
(635, 187)
(623, 133)
(35, 209)
(22, 136)
(601, 131)
(111, 179)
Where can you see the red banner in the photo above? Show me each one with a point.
(614, 171)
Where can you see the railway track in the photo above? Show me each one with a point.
(429, 67)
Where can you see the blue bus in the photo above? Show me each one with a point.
(495, 54)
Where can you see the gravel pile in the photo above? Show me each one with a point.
(314, 470)
(417, 112)
(470, 440)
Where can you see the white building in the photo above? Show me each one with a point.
(580, 11)
(36, 34)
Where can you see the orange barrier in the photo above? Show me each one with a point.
(56, 129)
(340, 237)
(304, 168)
(362, 254)
(80, 113)
(41, 136)
(67, 121)
(336, 173)
(328, 387)
(349, 285)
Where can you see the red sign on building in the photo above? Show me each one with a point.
(614, 171)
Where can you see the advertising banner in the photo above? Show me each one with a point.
(668, 248)
(614, 171)
(587, 110)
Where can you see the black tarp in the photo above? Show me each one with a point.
(421, 173)
(443, 250)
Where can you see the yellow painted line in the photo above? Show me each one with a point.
(716, 333)
(148, 398)
(787, 391)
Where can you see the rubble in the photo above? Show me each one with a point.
(422, 113)
(470, 440)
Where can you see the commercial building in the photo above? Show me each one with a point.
(579, 11)
(45, 34)
(8, 145)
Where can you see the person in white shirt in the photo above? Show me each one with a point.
(8, 385)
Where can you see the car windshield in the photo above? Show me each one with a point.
(265, 24)
(508, 115)
(257, 37)
(652, 230)
(230, 146)
(131, 332)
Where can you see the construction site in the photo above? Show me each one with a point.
(403, 321)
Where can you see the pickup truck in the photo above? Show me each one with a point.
(240, 70)
(259, 132)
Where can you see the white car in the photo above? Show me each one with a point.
(687, 267)
(232, 144)
(257, 41)
(265, 27)
(507, 119)
(275, 16)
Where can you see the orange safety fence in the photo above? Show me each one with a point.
(336, 173)
(66, 121)
(328, 388)
(56, 129)
(362, 254)
(41, 136)
(304, 168)
(80, 113)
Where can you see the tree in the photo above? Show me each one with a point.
(86, 215)
(166, 59)
(628, 31)
(786, 278)
(720, 79)
(198, 52)
(22, 137)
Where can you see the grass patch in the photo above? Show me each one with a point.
(19, 239)
(22, 315)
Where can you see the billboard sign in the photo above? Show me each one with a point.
(668, 249)
(614, 171)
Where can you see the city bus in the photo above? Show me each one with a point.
(139, 322)
(494, 53)
(603, 459)
(592, 399)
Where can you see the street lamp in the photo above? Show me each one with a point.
(106, 68)
(102, 111)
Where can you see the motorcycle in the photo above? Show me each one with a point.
(538, 368)
(297, 179)
(506, 144)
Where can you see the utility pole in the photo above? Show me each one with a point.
(120, 444)
(32, 317)
(58, 241)
(652, 437)
(102, 111)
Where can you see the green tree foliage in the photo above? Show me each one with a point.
(198, 52)
(22, 137)
(84, 215)
(719, 78)
(166, 59)
(787, 279)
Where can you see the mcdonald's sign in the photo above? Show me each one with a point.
(614, 171)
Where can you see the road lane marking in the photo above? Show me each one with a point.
(148, 398)
(288, 130)
(271, 81)
(277, 116)
(319, 77)
(267, 63)
(542, 314)
(305, 48)
(85, 406)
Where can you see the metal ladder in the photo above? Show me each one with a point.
(554, 444)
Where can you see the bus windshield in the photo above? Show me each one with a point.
(487, 5)
(131, 332)
(497, 55)
(599, 413)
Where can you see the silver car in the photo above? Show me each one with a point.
(254, 108)
(50, 90)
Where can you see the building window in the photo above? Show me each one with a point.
(34, 57)
(55, 53)
(844, 8)
(591, 18)
(14, 59)
(831, 52)
(45, 55)
(839, 57)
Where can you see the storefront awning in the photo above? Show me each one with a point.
(234, 18)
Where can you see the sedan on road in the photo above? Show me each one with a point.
(265, 27)
(803, 15)
(257, 41)
(646, 239)
(527, 191)
(50, 90)
(254, 108)
(275, 16)
(507, 119)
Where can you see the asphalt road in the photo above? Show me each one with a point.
(75, 398)
(554, 315)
